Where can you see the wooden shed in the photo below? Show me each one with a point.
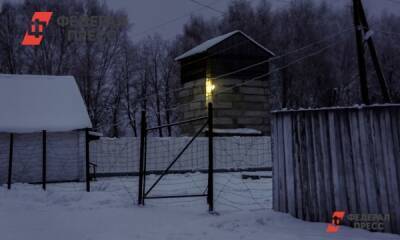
(41, 129)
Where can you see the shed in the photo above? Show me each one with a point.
(41, 125)
(210, 72)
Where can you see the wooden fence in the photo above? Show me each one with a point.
(337, 159)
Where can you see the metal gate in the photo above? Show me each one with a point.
(144, 193)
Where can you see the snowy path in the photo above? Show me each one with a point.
(66, 212)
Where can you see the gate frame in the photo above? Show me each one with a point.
(143, 194)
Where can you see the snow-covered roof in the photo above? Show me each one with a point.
(339, 108)
(32, 103)
(238, 131)
(214, 41)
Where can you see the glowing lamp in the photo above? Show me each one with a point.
(210, 87)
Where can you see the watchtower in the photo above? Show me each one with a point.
(209, 73)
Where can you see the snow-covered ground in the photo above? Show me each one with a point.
(109, 212)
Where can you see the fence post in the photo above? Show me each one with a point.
(10, 160)
(141, 163)
(44, 162)
(87, 158)
(210, 195)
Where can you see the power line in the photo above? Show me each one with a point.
(148, 96)
(256, 64)
(163, 24)
(257, 77)
(261, 76)
(208, 6)
(281, 68)
(238, 44)
(281, 56)
(388, 33)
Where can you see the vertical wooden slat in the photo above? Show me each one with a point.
(360, 178)
(304, 168)
(395, 120)
(318, 167)
(312, 191)
(287, 133)
(396, 141)
(298, 165)
(275, 162)
(375, 118)
(390, 167)
(367, 156)
(282, 166)
(348, 168)
(327, 165)
(337, 164)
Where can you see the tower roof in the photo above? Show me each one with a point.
(203, 47)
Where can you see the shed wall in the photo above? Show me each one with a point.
(65, 157)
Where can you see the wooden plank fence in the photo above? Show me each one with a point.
(331, 159)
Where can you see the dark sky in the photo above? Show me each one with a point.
(148, 15)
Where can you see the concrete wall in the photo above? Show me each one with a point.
(65, 157)
(241, 107)
(246, 106)
(193, 100)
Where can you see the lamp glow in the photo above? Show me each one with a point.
(210, 87)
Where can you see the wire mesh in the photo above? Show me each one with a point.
(115, 156)
(177, 155)
(233, 157)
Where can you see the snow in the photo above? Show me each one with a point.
(355, 107)
(214, 41)
(239, 131)
(66, 212)
(32, 103)
(95, 134)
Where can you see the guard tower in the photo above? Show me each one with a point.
(209, 73)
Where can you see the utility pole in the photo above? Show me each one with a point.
(361, 27)
(381, 77)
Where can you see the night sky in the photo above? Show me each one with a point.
(148, 15)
